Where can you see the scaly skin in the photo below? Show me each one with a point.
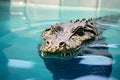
(65, 40)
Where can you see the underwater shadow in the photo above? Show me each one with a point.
(75, 69)
(96, 64)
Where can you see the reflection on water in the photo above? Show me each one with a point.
(4, 18)
(3, 62)
(21, 64)
(95, 60)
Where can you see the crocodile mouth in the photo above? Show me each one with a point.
(62, 54)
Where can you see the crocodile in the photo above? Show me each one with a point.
(65, 40)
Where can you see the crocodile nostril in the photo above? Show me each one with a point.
(47, 42)
(62, 44)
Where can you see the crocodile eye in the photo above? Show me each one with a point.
(80, 31)
(58, 28)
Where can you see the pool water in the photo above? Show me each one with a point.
(21, 34)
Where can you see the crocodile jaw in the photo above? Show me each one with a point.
(62, 54)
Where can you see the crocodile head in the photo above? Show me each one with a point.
(64, 40)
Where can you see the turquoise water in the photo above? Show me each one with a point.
(20, 35)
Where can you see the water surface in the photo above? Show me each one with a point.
(20, 35)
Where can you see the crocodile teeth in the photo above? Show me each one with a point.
(69, 54)
(42, 54)
(64, 54)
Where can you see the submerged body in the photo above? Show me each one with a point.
(66, 40)
(96, 62)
